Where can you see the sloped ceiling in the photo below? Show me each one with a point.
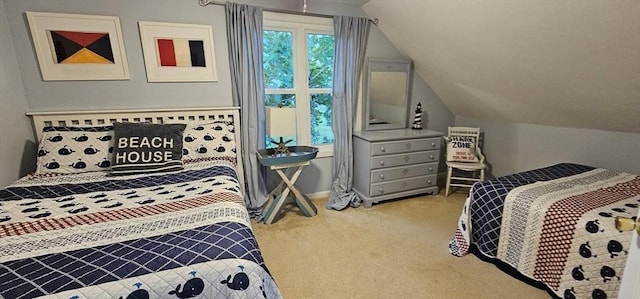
(571, 63)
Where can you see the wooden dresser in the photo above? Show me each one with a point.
(390, 164)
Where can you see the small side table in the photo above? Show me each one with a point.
(289, 169)
(289, 173)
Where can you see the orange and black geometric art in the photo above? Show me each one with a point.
(81, 47)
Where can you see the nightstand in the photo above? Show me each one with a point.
(288, 168)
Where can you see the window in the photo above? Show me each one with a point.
(298, 73)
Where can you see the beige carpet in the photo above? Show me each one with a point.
(395, 249)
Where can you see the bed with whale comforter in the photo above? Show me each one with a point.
(554, 226)
(76, 229)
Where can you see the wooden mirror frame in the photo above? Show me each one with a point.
(386, 65)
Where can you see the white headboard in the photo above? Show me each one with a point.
(159, 116)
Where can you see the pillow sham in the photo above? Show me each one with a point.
(146, 148)
(75, 149)
(208, 141)
(461, 149)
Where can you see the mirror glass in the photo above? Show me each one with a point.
(386, 94)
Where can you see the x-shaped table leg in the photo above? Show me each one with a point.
(277, 201)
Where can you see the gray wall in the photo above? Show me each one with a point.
(514, 147)
(138, 93)
(15, 131)
(133, 93)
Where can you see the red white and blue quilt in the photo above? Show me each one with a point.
(554, 225)
(184, 234)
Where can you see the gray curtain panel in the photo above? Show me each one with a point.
(244, 34)
(351, 35)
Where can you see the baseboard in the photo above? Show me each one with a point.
(442, 176)
(317, 195)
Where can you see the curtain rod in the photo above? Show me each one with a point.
(204, 3)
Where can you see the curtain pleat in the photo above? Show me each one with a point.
(350, 35)
(244, 35)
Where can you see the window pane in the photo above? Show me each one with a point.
(321, 132)
(320, 60)
(287, 100)
(278, 59)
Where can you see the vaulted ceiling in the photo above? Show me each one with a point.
(571, 63)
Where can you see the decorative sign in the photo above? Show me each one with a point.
(461, 149)
(78, 47)
(81, 47)
(181, 52)
(178, 52)
(144, 148)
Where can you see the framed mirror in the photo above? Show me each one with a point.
(386, 93)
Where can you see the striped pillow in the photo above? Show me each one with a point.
(146, 148)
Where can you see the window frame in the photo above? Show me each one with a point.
(300, 26)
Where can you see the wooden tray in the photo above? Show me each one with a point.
(297, 154)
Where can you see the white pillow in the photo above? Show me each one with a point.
(461, 149)
(209, 141)
(65, 150)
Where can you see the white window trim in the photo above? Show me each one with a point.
(301, 26)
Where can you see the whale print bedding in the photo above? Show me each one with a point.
(182, 234)
(554, 225)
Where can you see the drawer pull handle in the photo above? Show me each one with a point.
(381, 190)
(405, 171)
(382, 176)
(431, 157)
(428, 181)
(381, 163)
(430, 169)
(382, 149)
(408, 145)
(433, 144)
(404, 185)
(406, 158)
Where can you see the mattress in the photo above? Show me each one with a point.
(164, 235)
(554, 225)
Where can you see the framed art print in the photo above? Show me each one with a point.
(178, 52)
(78, 47)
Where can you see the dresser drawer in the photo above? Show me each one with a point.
(394, 173)
(403, 146)
(402, 185)
(404, 159)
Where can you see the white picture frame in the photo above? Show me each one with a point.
(102, 59)
(202, 59)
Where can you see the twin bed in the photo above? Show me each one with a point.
(554, 226)
(74, 230)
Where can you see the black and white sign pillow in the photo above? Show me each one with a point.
(461, 149)
(145, 148)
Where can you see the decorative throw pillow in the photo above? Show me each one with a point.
(461, 149)
(66, 150)
(145, 148)
(207, 141)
